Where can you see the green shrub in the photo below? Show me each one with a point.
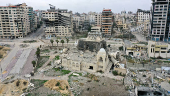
(115, 73)
(57, 57)
(58, 84)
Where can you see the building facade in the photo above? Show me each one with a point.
(96, 29)
(58, 22)
(160, 20)
(158, 49)
(15, 21)
(107, 22)
(98, 20)
(143, 15)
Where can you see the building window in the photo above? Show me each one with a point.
(156, 51)
(163, 52)
(163, 48)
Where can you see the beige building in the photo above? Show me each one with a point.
(90, 56)
(136, 50)
(98, 19)
(96, 29)
(15, 21)
(86, 61)
(122, 25)
(156, 49)
(58, 22)
(35, 21)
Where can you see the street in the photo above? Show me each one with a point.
(17, 57)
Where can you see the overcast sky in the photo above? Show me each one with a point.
(85, 5)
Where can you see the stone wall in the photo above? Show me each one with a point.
(92, 46)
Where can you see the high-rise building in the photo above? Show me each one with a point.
(15, 21)
(107, 22)
(160, 20)
(58, 22)
(98, 19)
(143, 15)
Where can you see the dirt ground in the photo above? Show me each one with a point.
(83, 86)
(52, 72)
(43, 91)
(3, 51)
(15, 88)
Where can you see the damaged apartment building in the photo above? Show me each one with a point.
(90, 55)
(58, 22)
(16, 21)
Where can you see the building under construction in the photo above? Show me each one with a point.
(107, 22)
(58, 22)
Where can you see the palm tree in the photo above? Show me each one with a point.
(62, 41)
(52, 41)
(57, 41)
(33, 63)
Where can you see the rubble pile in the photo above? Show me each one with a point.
(92, 77)
(15, 88)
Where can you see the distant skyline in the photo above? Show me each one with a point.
(85, 5)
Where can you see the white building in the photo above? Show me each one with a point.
(98, 19)
(143, 15)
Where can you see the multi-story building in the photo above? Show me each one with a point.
(142, 15)
(98, 19)
(76, 21)
(39, 14)
(36, 21)
(15, 21)
(91, 16)
(58, 22)
(96, 29)
(160, 20)
(107, 22)
(158, 49)
(121, 25)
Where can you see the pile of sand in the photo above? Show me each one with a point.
(59, 85)
(92, 77)
(13, 89)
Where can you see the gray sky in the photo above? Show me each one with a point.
(85, 5)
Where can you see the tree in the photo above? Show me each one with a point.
(89, 29)
(62, 41)
(38, 52)
(57, 41)
(67, 41)
(33, 63)
(52, 41)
